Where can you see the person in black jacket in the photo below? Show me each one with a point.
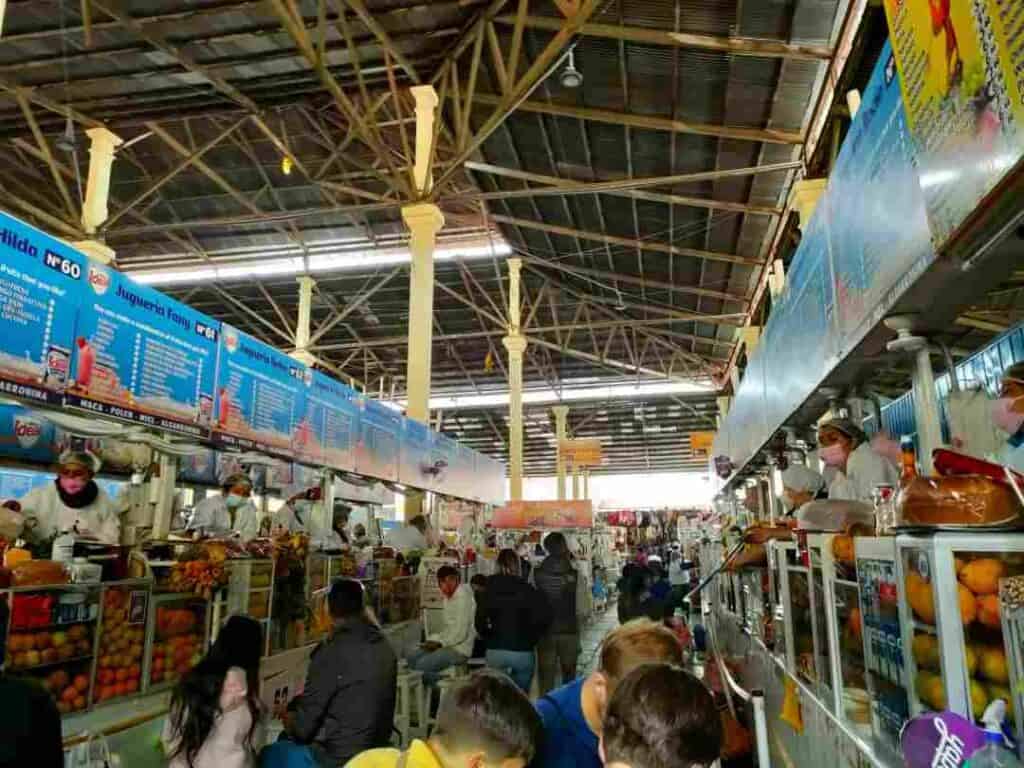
(30, 729)
(558, 581)
(348, 705)
(511, 617)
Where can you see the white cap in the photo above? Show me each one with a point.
(797, 477)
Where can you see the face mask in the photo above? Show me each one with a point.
(833, 455)
(73, 485)
(1004, 417)
(234, 501)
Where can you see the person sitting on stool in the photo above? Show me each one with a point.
(455, 643)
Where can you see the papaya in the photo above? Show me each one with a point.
(854, 623)
(982, 576)
(920, 598)
(979, 699)
(992, 665)
(971, 660)
(926, 651)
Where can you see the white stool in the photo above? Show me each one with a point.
(410, 707)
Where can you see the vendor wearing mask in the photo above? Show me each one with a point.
(1008, 416)
(73, 502)
(295, 515)
(844, 449)
(231, 513)
(800, 485)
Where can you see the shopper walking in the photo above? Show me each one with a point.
(511, 617)
(30, 730)
(559, 582)
(215, 715)
(348, 704)
(574, 714)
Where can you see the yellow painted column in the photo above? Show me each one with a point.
(424, 221)
(515, 343)
(804, 198)
(561, 417)
(302, 353)
(586, 483)
(102, 145)
(575, 483)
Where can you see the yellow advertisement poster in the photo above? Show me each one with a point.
(961, 65)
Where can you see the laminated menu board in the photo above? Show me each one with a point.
(142, 356)
(961, 66)
(415, 466)
(259, 394)
(41, 284)
(379, 436)
(466, 482)
(326, 430)
(443, 455)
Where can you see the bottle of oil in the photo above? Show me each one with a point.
(908, 461)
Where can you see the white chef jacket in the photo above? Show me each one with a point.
(287, 519)
(459, 614)
(864, 470)
(101, 519)
(214, 518)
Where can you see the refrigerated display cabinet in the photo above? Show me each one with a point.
(821, 572)
(801, 635)
(179, 626)
(780, 554)
(754, 595)
(249, 592)
(955, 639)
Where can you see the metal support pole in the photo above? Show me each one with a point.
(561, 416)
(302, 353)
(515, 343)
(764, 753)
(926, 408)
(424, 221)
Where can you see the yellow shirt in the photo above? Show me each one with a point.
(419, 755)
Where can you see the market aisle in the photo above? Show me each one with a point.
(591, 637)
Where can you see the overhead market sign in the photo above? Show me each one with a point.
(582, 453)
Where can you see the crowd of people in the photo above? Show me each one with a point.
(639, 708)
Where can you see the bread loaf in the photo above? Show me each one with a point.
(970, 500)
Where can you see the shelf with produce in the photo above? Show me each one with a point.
(56, 625)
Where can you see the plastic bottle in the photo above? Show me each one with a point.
(63, 547)
(994, 754)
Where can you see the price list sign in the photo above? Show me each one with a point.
(379, 438)
(41, 284)
(326, 433)
(259, 395)
(142, 356)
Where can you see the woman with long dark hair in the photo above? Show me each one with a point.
(511, 616)
(215, 709)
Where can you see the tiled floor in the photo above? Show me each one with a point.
(591, 637)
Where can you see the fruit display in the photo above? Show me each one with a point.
(29, 650)
(69, 688)
(198, 577)
(177, 641)
(119, 666)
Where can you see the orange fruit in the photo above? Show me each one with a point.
(988, 611)
(982, 576)
(919, 595)
(968, 604)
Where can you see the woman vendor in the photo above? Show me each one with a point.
(857, 469)
(800, 485)
(73, 502)
(1008, 416)
(231, 513)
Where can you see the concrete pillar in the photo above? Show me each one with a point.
(853, 102)
(586, 483)
(515, 343)
(161, 494)
(426, 105)
(926, 408)
(804, 198)
(3, 10)
(575, 483)
(561, 416)
(101, 158)
(750, 337)
(302, 353)
(424, 221)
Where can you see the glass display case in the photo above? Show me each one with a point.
(885, 668)
(799, 622)
(782, 629)
(819, 555)
(121, 642)
(754, 592)
(249, 592)
(178, 628)
(955, 642)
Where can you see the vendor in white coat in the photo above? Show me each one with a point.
(844, 448)
(231, 513)
(1008, 416)
(73, 502)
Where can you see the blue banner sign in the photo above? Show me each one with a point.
(142, 356)
(415, 467)
(379, 437)
(40, 286)
(326, 433)
(259, 395)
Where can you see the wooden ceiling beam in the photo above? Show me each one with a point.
(737, 46)
(648, 122)
(626, 242)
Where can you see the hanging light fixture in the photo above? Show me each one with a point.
(66, 141)
(571, 77)
(286, 165)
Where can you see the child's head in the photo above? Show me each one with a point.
(661, 716)
(486, 722)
